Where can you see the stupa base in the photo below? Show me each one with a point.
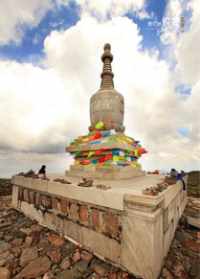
(102, 172)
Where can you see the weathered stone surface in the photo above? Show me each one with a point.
(54, 255)
(26, 231)
(28, 241)
(55, 240)
(112, 225)
(86, 256)
(83, 214)
(17, 242)
(35, 268)
(76, 256)
(5, 258)
(4, 246)
(69, 274)
(99, 268)
(74, 212)
(192, 245)
(28, 254)
(48, 275)
(65, 206)
(4, 273)
(66, 263)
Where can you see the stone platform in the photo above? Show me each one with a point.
(108, 173)
(120, 224)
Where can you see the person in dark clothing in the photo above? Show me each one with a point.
(42, 172)
(173, 173)
(180, 177)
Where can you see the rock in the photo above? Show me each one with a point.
(43, 246)
(69, 274)
(16, 251)
(56, 240)
(35, 268)
(28, 254)
(76, 272)
(179, 271)
(99, 267)
(35, 235)
(192, 245)
(66, 263)
(76, 256)
(4, 273)
(2, 262)
(195, 269)
(112, 275)
(166, 274)
(86, 256)
(4, 246)
(54, 255)
(17, 242)
(28, 241)
(26, 231)
(6, 258)
(8, 237)
(48, 275)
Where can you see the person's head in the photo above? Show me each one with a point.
(43, 167)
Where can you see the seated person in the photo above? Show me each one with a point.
(173, 173)
(42, 172)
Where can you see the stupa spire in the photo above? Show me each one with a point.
(107, 74)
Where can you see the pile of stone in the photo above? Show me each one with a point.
(155, 190)
(193, 184)
(192, 211)
(28, 250)
(183, 258)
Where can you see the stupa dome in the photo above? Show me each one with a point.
(107, 105)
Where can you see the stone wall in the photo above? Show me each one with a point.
(96, 218)
(131, 230)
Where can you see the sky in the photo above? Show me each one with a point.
(50, 67)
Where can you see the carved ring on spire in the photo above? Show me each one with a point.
(107, 74)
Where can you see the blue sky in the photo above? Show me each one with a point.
(31, 46)
(63, 17)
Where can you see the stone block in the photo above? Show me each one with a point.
(37, 199)
(26, 195)
(15, 196)
(56, 203)
(74, 211)
(46, 201)
(32, 197)
(65, 206)
(97, 220)
(72, 230)
(112, 224)
(84, 214)
(21, 196)
(102, 245)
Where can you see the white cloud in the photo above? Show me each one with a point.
(171, 21)
(187, 48)
(103, 9)
(15, 15)
(40, 109)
